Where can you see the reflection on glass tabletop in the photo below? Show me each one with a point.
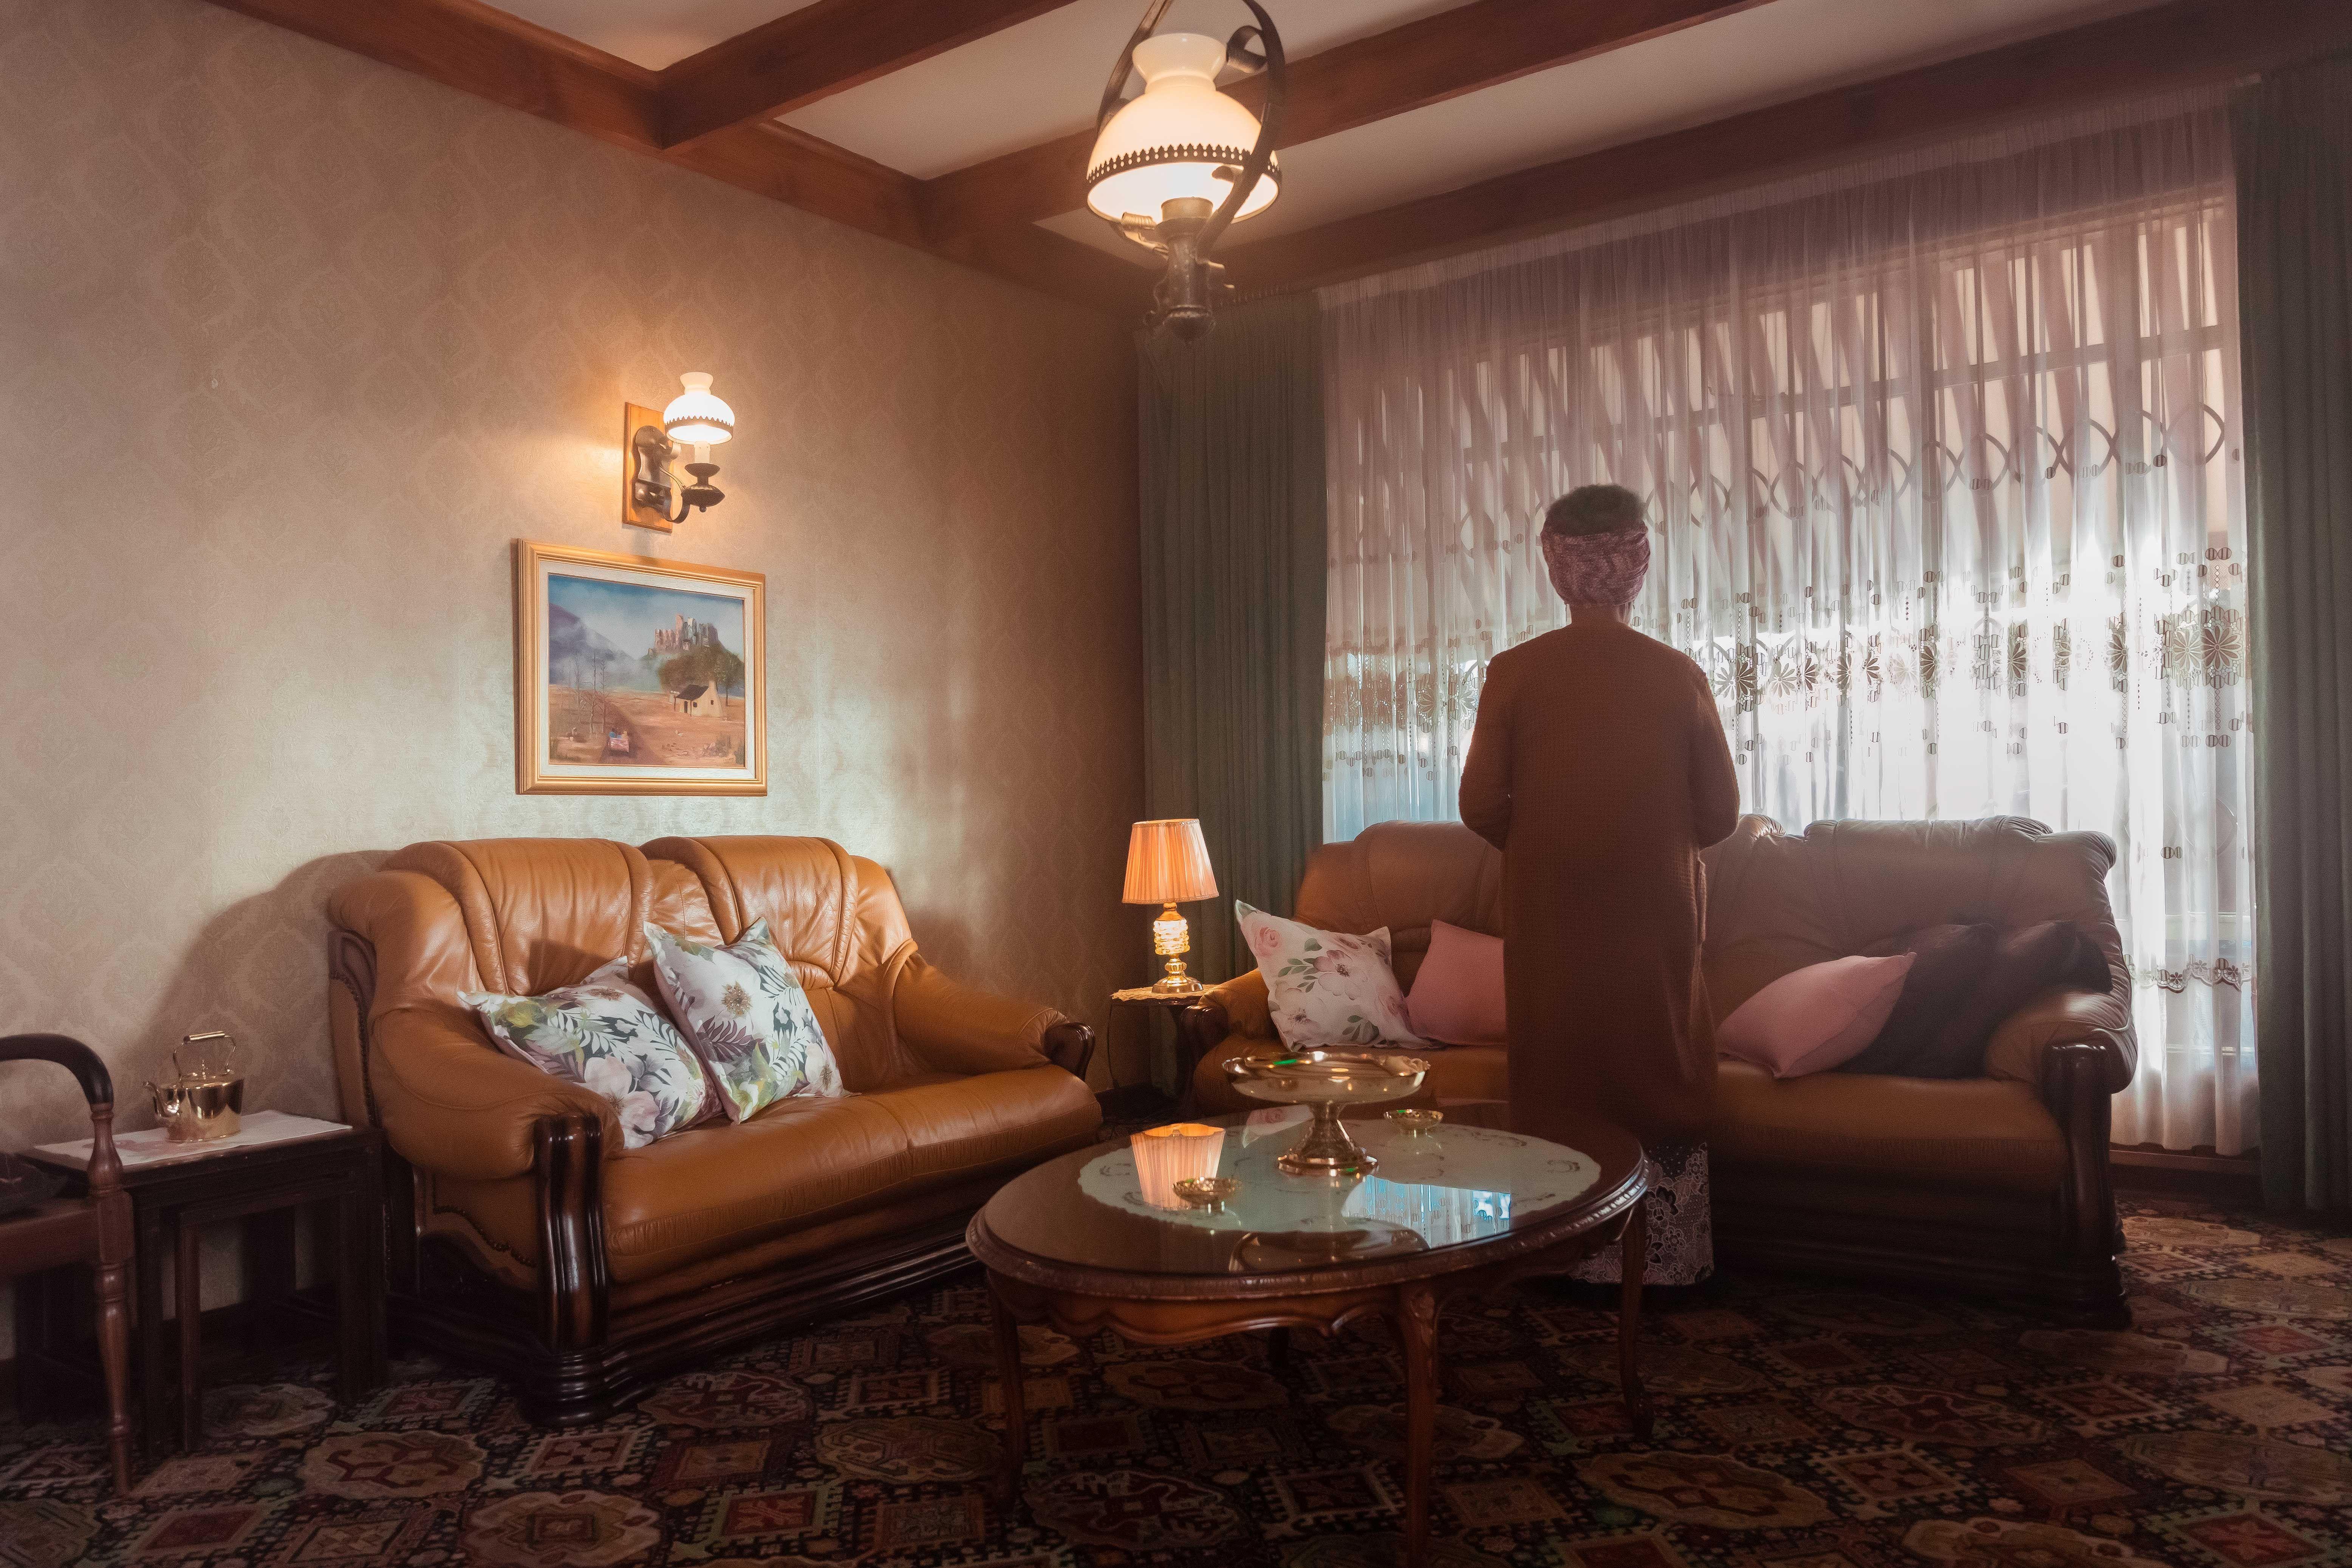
(1445, 1187)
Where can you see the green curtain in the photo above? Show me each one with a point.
(2292, 137)
(1233, 547)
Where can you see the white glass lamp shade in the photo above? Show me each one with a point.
(1167, 1155)
(697, 416)
(1170, 141)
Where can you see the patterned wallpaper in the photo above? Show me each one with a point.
(296, 345)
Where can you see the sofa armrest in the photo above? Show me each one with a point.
(1239, 1006)
(452, 1103)
(2020, 1047)
(953, 1027)
(1242, 1006)
(1070, 1046)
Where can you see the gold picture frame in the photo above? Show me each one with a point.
(597, 714)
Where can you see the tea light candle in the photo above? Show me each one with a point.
(1166, 1155)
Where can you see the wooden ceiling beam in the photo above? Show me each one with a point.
(806, 171)
(818, 51)
(486, 52)
(475, 48)
(1421, 63)
(801, 171)
(2183, 43)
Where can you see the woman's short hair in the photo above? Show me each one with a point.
(1594, 508)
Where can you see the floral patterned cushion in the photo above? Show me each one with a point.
(608, 1035)
(1326, 988)
(743, 1009)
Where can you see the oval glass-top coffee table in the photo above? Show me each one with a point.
(1080, 1243)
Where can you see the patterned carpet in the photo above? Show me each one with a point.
(1801, 1427)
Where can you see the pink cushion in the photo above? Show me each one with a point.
(1814, 1018)
(1457, 997)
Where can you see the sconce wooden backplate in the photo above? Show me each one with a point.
(637, 417)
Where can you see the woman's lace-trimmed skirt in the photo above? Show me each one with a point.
(1682, 1232)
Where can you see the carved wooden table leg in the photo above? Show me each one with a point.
(1633, 1258)
(359, 1315)
(147, 1293)
(38, 1309)
(268, 1255)
(1416, 1321)
(114, 1359)
(1008, 1372)
(188, 1283)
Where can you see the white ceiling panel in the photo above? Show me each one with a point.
(1043, 78)
(1776, 52)
(653, 33)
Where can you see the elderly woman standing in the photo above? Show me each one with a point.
(1599, 768)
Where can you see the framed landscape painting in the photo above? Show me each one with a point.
(636, 676)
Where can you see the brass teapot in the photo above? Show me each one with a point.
(204, 1099)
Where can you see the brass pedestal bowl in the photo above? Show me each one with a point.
(1326, 1082)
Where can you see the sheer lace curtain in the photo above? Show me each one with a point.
(1943, 471)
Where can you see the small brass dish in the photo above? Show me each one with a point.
(1416, 1120)
(1207, 1192)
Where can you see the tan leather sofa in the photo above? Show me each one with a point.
(525, 1236)
(1994, 1184)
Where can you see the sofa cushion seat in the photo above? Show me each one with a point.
(1974, 1132)
(806, 1159)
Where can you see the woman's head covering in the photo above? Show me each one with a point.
(1598, 568)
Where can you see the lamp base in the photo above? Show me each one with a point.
(1172, 938)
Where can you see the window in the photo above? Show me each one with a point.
(1945, 496)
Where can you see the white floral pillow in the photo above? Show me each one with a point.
(1327, 988)
(607, 1035)
(743, 1009)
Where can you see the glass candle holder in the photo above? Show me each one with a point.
(1178, 1151)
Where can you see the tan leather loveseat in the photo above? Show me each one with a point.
(523, 1233)
(1995, 1183)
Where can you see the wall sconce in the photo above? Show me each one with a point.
(1176, 165)
(651, 443)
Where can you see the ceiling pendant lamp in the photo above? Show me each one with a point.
(1179, 164)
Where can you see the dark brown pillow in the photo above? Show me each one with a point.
(2087, 969)
(1947, 961)
(23, 1184)
(1964, 981)
(2025, 963)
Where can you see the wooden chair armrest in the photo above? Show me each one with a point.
(104, 1172)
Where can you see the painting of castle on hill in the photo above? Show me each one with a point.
(636, 675)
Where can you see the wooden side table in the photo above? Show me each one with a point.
(1150, 1003)
(264, 1188)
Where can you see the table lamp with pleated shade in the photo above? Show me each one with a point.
(1168, 864)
